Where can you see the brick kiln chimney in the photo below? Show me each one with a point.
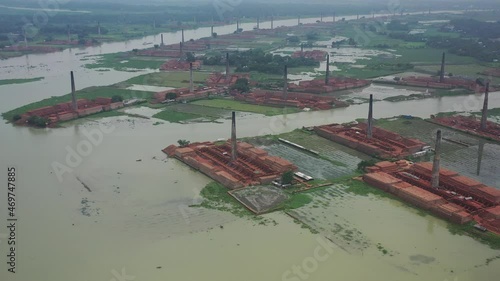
(191, 87)
(369, 129)
(74, 104)
(480, 156)
(180, 47)
(272, 22)
(237, 25)
(333, 16)
(227, 67)
(212, 31)
(234, 152)
(162, 43)
(301, 49)
(298, 20)
(183, 36)
(258, 23)
(484, 116)
(441, 75)
(437, 158)
(327, 75)
(99, 28)
(285, 83)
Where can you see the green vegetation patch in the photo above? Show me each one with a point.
(241, 106)
(175, 79)
(19, 81)
(175, 116)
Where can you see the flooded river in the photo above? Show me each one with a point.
(132, 220)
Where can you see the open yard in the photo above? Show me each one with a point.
(241, 106)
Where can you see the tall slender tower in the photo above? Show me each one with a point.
(441, 75)
(234, 151)
(369, 129)
(74, 104)
(272, 22)
(182, 36)
(321, 18)
(99, 28)
(484, 116)
(162, 43)
(212, 31)
(285, 83)
(191, 86)
(258, 23)
(327, 75)
(227, 67)
(436, 163)
(181, 46)
(298, 20)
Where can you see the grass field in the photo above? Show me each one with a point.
(175, 116)
(175, 79)
(240, 106)
(19, 81)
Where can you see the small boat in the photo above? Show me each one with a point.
(480, 227)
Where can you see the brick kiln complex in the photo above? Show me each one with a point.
(252, 167)
(179, 65)
(298, 100)
(184, 94)
(457, 198)
(446, 83)
(65, 112)
(316, 55)
(318, 86)
(470, 124)
(383, 143)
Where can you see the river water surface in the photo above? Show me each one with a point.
(136, 219)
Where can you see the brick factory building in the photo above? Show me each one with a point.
(252, 167)
(318, 86)
(470, 124)
(298, 100)
(65, 112)
(180, 65)
(383, 144)
(458, 198)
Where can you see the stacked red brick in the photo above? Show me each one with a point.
(253, 166)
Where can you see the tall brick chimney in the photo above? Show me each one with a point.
(369, 129)
(74, 104)
(285, 83)
(441, 76)
(234, 151)
(162, 43)
(327, 75)
(437, 159)
(484, 116)
(183, 36)
(227, 67)
(191, 87)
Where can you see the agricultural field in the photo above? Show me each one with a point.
(190, 112)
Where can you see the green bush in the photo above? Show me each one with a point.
(38, 121)
(116, 98)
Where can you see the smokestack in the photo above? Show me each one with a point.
(237, 25)
(183, 35)
(301, 49)
(99, 28)
(162, 39)
(227, 66)
(74, 104)
(298, 20)
(272, 22)
(234, 152)
(327, 76)
(480, 156)
(484, 116)
(69, 34)
(285, 83)
(25, 38)
(357, 17)
(191, 87)
(333, 16)
(321, 18)
(441, 76)
(258, 23)
(369, 130)
(181, 46)
(212, 31)
(437, 158)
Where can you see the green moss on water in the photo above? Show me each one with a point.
(297, 200)
(488, 238)
(175, 116)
